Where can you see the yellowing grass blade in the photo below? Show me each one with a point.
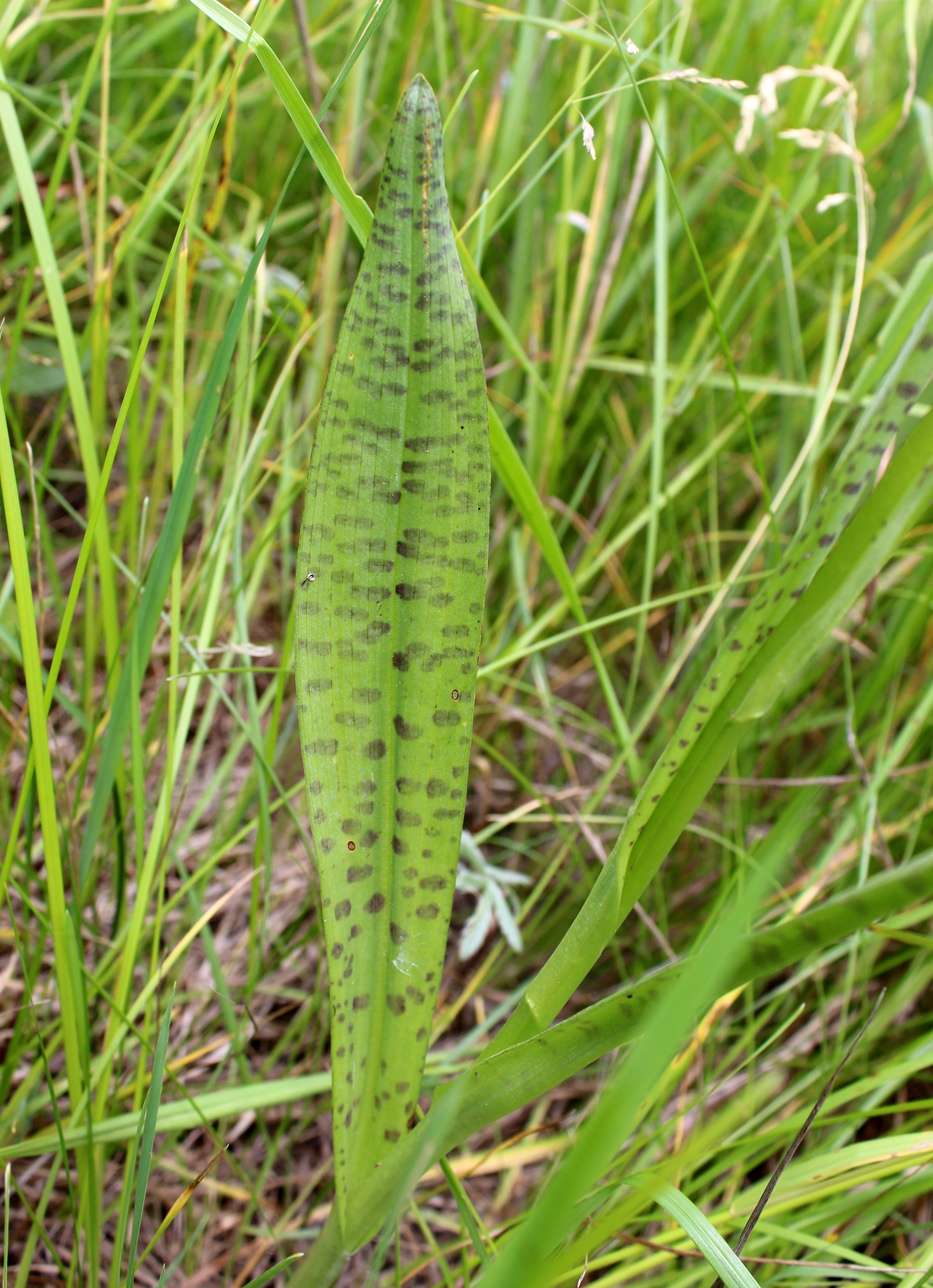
(389, 602)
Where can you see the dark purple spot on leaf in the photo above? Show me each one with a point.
(405, 730)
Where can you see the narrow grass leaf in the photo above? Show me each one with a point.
(389, 605)
(6, 1222)
(45, 785)
(159, 574)
(468, 1214)
(273, 1271)
(800, 1137)
(718, 1254)
(126, 1200)
(180, 1115)
(523, 1259)
(324, 157)
(67, 347)
(375, 15)
(511, 470)
(181, 1203)
(150, 1124)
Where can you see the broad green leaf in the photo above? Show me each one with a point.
(389, 604)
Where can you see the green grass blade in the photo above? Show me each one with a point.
(150, 1118)
(375, 15)
(65, 339)
(510, 468)
(634, 1080)
(719, 1256)
(126, 1199)
(159, 574)
(6, 1223)
(266, 1275)
(325, 158)
(179, 1115)
(45, 785)
(389, 603)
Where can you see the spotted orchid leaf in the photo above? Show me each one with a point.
(389, 602)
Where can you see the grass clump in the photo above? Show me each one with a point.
(695, 345)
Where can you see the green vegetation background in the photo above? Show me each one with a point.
(143, 153)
